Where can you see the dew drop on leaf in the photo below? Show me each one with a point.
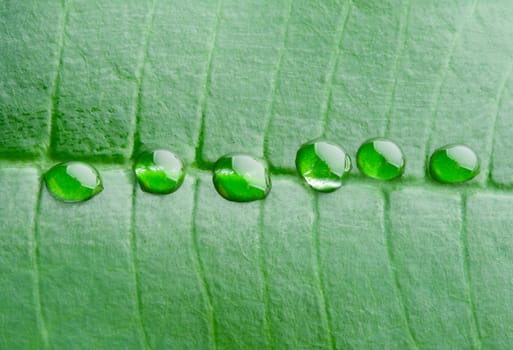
(159, 171)
(73, 181)
(453, 164)
(241, 178)
(323, 165)
(380, 159)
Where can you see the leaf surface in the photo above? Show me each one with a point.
(403, 265)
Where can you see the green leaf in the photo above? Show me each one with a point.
(408, 264)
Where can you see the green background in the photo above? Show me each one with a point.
(405, 265)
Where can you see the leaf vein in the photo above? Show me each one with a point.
(136, 121)
(466, 271)
(316, 242)
(41, 321)
(393, 268)
(54, 95)
(202, 105)
(401, 43)
(201, 270)
(443, 76)
(265, 279)
(275, 78)
(498, 104)
(136, 272)
(333, 66)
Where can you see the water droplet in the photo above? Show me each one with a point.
(380, 159)
(73, 181)
(159, 171)
(241, 178)
(453, 164)
(323, 165)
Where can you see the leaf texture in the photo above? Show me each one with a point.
(403, 265)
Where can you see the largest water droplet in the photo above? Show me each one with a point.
(323, 165)
(241, 178)
(73, 181)
(453, 164)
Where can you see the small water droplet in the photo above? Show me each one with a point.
(73, 181)
(380, 159)
(159, 171)
(453, 164)
(241, 178)
(323, 165)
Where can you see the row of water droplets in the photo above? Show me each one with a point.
(242, 178)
